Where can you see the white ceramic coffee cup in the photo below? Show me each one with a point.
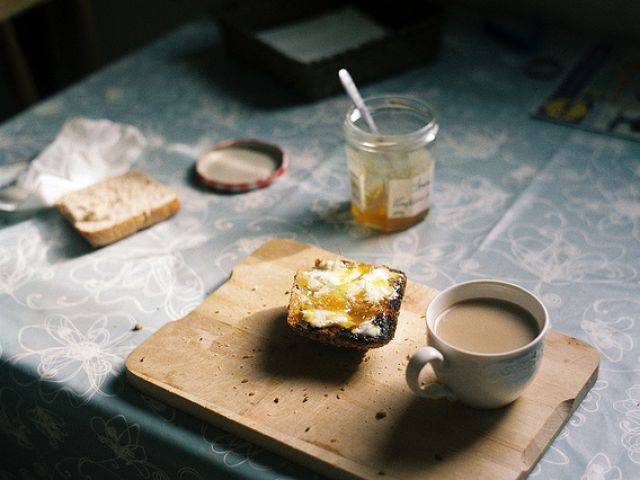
(479, 380)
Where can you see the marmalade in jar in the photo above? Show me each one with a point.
(391, 171)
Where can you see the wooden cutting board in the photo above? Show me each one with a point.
(234, 363)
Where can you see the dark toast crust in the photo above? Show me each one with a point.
(386, 319)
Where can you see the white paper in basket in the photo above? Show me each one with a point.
(84, 152)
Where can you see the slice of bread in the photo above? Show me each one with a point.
(347, 304)
(117, 207)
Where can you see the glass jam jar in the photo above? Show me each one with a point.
(391, 172)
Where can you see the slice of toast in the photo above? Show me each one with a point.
(117, 207)
(347, 304)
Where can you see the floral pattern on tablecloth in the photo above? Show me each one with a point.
(553, 209)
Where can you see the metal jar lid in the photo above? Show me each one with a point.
(241, 165)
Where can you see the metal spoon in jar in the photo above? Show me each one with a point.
(350, 86)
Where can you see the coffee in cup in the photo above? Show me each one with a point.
(485, 342)
(486, 325)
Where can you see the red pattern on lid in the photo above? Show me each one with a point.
(277, 154)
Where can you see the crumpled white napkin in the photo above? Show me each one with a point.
(84, 152)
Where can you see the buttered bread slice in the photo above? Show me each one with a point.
(347, 304)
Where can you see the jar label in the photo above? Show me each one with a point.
(408, 197)
(357, 189)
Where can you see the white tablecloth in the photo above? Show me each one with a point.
(552, 208)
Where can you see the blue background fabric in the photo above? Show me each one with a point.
(554, 209)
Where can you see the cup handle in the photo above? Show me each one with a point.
(421, 357)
